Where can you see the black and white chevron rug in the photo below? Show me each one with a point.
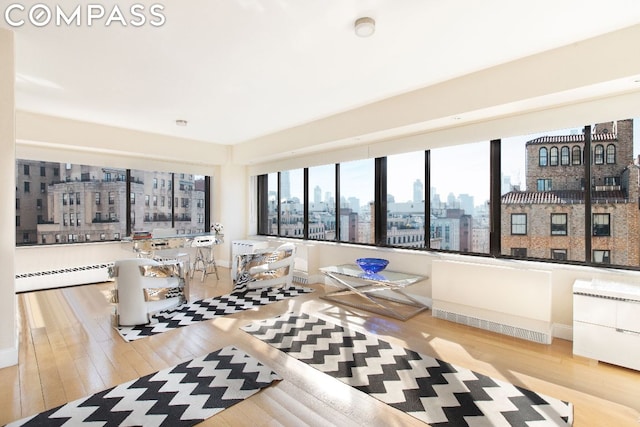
(187, 314)
(183, 395)
(431, 390)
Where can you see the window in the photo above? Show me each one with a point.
(519, 224)
(405, 200)
(26, 169)
(558, 224)
(146, 200)
(17, 220)
(532, 214)
(49, 216)
(601, 224)
(576, 155)
(611, 180)
(598, 154)
(553, 156)
(322, 202)
(559, 254)
(43, 187)
(357, 189)
(519, 252)
(155, 200)
(459, 197)
(27, 187)
(611, 154)
(564, 156)
(43, 171)
(155, 183)
(292, 203)
(544, 184)
(602, 256)
(542, 157)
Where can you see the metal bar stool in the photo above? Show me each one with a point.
(204, 255)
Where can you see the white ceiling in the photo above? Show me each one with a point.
(241, 69)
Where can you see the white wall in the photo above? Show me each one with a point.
(8, 332)
(321, 254)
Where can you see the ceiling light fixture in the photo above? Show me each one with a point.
(365, 26)
(181, 122)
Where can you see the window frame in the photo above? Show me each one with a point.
(517, 225)
(605, 227)
(560, 231)
(543, 159)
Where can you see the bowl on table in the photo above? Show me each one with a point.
(372, 265)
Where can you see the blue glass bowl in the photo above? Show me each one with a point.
(372, 265)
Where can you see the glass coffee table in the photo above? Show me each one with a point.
(382, 293)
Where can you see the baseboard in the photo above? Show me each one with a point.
(9, 356)
(564, 332)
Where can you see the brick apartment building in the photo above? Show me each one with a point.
(548, 219)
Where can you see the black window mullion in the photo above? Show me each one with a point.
(263, 204)
(380, 200)
(427, 199)
(173, 198)
(279, 203)
(495, 198)
(129, 226)
(337, 201)
(305, 227)
(587, 196)
(207, 204)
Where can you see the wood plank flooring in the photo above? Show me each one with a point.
(68, 349)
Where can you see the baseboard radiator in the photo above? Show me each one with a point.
(63, 277)
(506, 300)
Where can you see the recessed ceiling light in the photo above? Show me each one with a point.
(365, 26)
(181, 122)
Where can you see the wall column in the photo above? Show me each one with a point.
(8, 331)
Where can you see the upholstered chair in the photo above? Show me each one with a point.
(145, 286)
(267, 268)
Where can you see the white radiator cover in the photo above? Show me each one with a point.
(60, 278)
(506, 300)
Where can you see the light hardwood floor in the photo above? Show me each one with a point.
(68, 349)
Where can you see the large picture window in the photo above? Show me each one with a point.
(443, 194)
(405, 200)
(83, 203)
(322, 202)
(357, 197)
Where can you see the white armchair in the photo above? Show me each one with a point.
(268, 268)
(145, 286)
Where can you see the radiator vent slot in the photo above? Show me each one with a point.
(496, 327)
